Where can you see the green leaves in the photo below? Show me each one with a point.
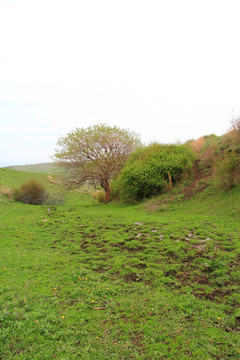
(150, 169)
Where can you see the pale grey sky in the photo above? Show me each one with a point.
(168, 70)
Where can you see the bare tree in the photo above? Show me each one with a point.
(94, 155)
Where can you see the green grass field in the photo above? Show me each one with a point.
(90, 281)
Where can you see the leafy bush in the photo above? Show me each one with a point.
(152, 169)
(227, 171)
(30, 192)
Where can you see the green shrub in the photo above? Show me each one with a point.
(30, 192)
(227, 171)
(152, 169)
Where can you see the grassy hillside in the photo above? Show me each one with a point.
(14, 178)
(46, 168)
(85, 281)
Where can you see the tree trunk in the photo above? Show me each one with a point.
(170, 181)
(107, 192)
(105, 185)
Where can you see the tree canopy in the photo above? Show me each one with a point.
(95, 154)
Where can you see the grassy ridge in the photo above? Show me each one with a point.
(45, 168)
(14, 178)
(85, 281)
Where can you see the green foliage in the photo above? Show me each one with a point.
(151, 169)
(31, 192)
(227, 171)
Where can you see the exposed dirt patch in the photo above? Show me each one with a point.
(196, 186)
(201, 279)
(132, 277)
(119, 245)
(140, 266)
(103, 250)
(102, 269)
(136, 339)
(170, 273)
(214, 295)
(186, 277)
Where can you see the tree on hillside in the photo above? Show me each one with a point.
(94, 155)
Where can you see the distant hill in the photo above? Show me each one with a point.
(45, 168)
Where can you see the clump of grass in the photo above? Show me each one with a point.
(55, 179)
(6, 192)
(99, 195)
(53, 198)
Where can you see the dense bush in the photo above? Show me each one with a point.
(30, 192)
(227, 171)
(152, 169)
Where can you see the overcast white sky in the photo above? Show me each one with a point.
(166, 69)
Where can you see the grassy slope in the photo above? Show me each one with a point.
(85, 281)
(14, 178)
(46, 168)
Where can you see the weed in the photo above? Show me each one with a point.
(99, 195)
(6, 192)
